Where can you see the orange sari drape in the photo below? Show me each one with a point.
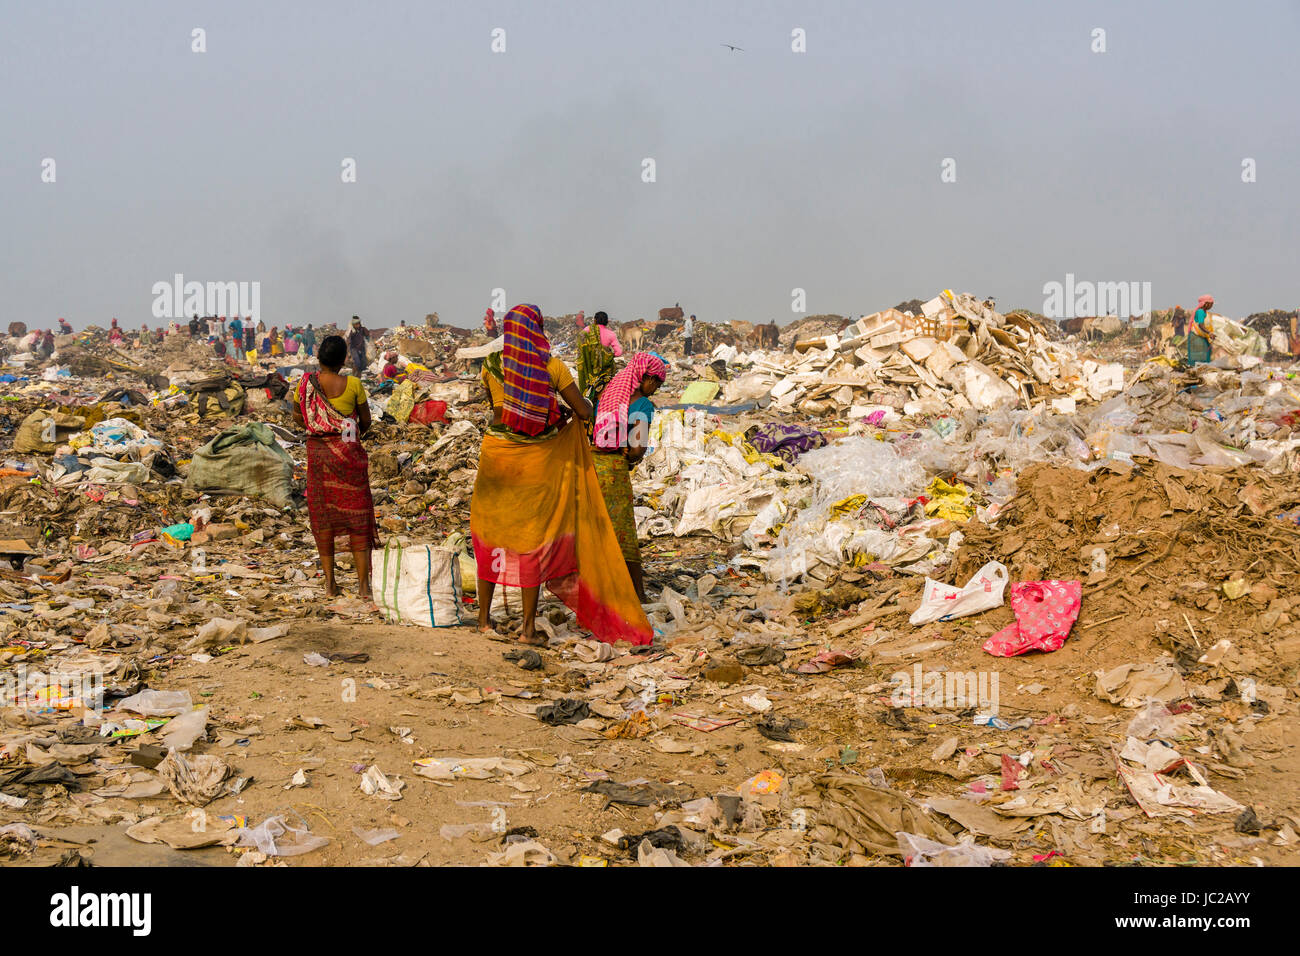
(538, 517)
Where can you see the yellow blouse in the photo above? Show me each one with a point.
(346, 404)
(561, 378)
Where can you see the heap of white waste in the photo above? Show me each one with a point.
(958, 354)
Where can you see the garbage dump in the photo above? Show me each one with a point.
(936, 586)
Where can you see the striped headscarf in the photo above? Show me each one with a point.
(611, 414)
(529, 399)
(621, 387)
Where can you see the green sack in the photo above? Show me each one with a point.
(243, 460)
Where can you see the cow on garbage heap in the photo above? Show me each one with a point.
(632, 335)
(766, 336)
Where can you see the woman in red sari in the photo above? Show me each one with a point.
(332, 409)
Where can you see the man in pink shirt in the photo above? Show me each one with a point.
(608, 337)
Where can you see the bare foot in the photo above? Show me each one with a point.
(534, 639)
(332, 591)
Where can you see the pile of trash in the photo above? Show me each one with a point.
(431, 348)
(957, 355)
(841, 525)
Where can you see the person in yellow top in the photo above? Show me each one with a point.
(347, 402)
(333, 410)
(537, 515)
(492, 379)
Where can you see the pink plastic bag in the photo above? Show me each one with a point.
(1045, 612)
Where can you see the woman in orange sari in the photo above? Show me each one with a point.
(537, 515)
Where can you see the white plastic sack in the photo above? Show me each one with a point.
(419, 584)
(107, 471)
(727, 353)
(157, 703)
(943, 602)
(181, 732)
(482, 351)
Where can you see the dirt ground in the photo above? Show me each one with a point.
(257, 691)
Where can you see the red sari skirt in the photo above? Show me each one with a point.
(338, 492)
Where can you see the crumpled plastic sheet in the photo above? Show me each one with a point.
(918, 851)
(860, 465)
(274, 836)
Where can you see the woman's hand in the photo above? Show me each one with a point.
(581, 407)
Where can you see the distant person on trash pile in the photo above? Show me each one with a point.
(622, 435)
(1200, 332)
(536, 515)
(688, 333)
(292, 341)
(237, 333)
(332, 409)
(392, 371)
(490, 323)
(357, 338)
(309, 339)
(46, 347)
(271, 344)
(597, 349)
(115, 337)
(64, 327)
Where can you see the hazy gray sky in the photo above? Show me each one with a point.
(522, 170)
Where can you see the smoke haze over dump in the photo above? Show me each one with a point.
(774, 170)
